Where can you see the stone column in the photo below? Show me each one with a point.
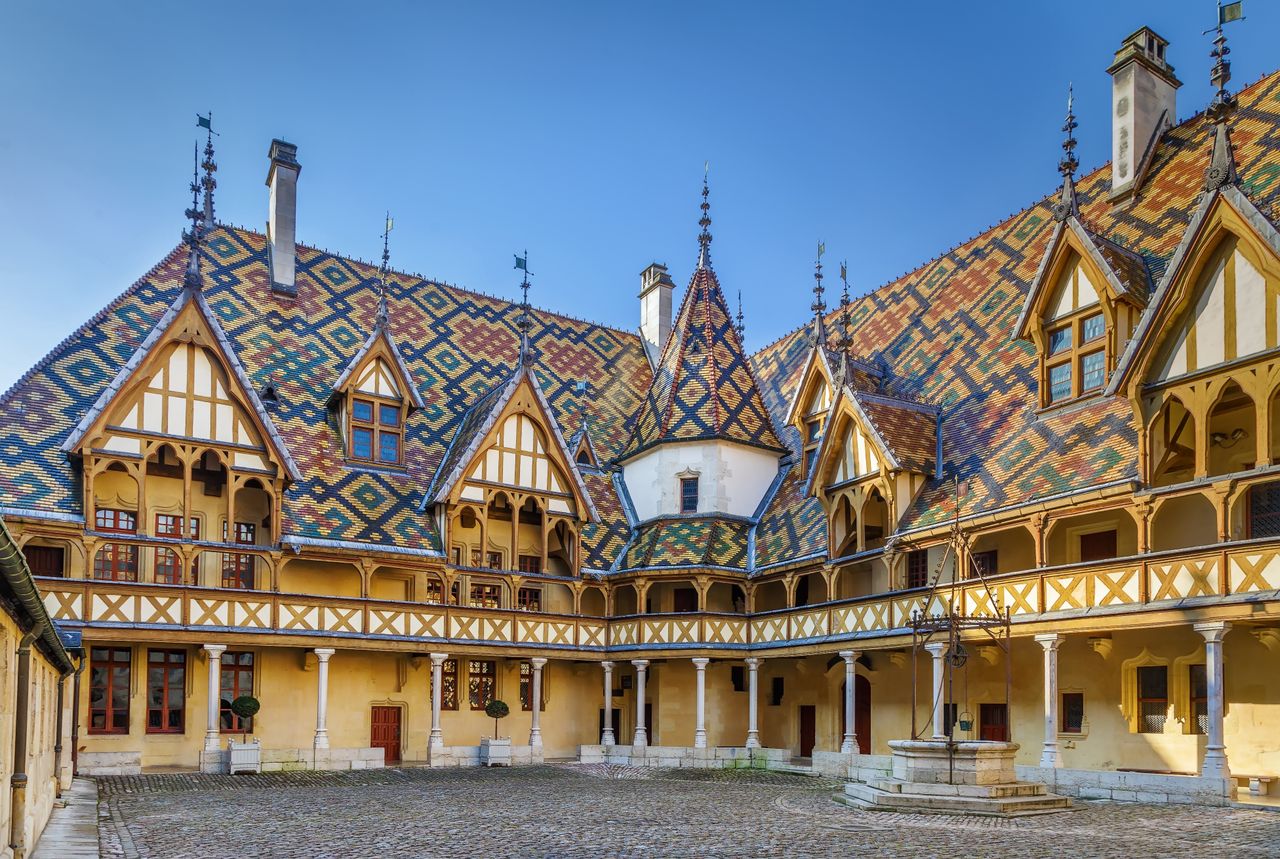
(436, 743)
(1050, 756)
(700, 726)
(606, 735)
(1215, 751)
(322, 697)
(642, 736)
(535, 724)
(849, 745)
(938, 650)
(212, 738)
(753, 705)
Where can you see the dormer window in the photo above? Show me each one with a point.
(1076, 361)
(376, 431)
(688, 495)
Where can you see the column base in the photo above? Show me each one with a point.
(606, 739)
(1051, 758)
(848, 746)
(753, 742)
(700, 739)
(1215, 765)
(641, 739)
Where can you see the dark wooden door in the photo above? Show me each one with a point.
(684, 600)
(808, 729)
(650, 729)
(1098, 546)
(862, 713)
(993, 722)
(616, 724)
(385, 732)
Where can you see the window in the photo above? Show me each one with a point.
(166, 691)
(526, 688)
(494, 560)
(485, 596)
(1098, 546)
(684, 600)
(116, 521)
(1198, 688)
(168, 525)
(1075, 361)
(375, 431)
(449, 685)
(1072, 713)
(109, 690)
(984, 563)
(435, 591)
(1092, 371)
(166, 570)
(530, 564)
(918, 568)
(237, 681)
(237, 569)
(45, 560)
(482, 682)
(776, 688)
(1059, 382)
(688, 495)
(116, 562)
(1153, 699)
(738, 677)
(1264, 510)
(529, 599)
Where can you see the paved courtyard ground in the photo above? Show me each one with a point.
(590, 811)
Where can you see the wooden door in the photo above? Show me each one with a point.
(385, 732)
(993, 722)
(808, 729)
(862, 713)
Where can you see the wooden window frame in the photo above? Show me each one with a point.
(242, 677)
(115, 562)
(37, 557)
(112, 662)
(526, 688)
(167, 666)
(1195, 701)
(1073, 355)
(482, 682)
(1064, 727)
(165, 527)
(988, 565)
(1163, 701)
(477, 595)
(376, 427)
(533, 603)
(917, 578)
(449, 684)
(240, 568)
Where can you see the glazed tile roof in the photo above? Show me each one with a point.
(703, 541)
(907, 430)
(703, 387)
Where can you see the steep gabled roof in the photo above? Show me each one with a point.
(703, 387)
(381, 334)
(904, 432)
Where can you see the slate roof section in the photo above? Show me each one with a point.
(702, 541)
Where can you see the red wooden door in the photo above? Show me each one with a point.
(993, 722)
(808, 729)
(385, 732)
(862, 713)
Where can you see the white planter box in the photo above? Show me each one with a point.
(244, 757)
(495, 753)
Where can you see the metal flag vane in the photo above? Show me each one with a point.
(819, 306)
(192, 279)
(383, 316)
(704, 237)
(525, 321)
(1066, 204)
(1222, 166)
(210, 167)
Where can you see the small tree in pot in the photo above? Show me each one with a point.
(246, 707)
(245, 756)
(496, 710)
(496, 752)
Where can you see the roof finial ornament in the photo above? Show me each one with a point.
(525, 320)
(704, 238)
(819, 306)
(740, 326)
(382, 318)
(845, 343)
(1066, 206)
(193, 280)
(1222, 162)
(210, 167)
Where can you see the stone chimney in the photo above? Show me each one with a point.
(282, 223)
(656, 287)
(1143, 105)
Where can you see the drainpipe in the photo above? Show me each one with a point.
(75, 716)
(57, 742)
(18, 781)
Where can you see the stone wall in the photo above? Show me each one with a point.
(722, 757)
(1131, 786)
(287, 760)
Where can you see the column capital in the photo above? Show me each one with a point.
(606, 665)
(753, 661)
(640, 663)
(214, 649)
(700, 662)
(937, 648)
(538, 661)
(323, 653)
(849, 656)
(1212, 630)
(437, 659)
(1050, 640)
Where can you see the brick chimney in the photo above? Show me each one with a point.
(282, 222)
(1143, 105)
(656, 287)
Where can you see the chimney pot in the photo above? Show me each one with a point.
(1143, 105)
(656, 287)
(282, 222)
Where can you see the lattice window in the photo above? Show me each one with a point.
(1198, 698)
(1153, 698)
(482, 682)
(449, 685)
(1264, 510)
(526, 688)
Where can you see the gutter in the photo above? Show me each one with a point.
(13, 567)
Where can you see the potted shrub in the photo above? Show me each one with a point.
(496, 752)
(245, 757)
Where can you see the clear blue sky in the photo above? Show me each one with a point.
(893, 131)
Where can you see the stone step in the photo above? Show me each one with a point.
(987, 791)
(872, 798)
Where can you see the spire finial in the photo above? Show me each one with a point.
(1066, 205)
(525, 321)
(819, 306)
(740, 325)
(845, 342)
(704, 238)
(382, 318)
(1222, 162)
(210, 167)
(193, 280)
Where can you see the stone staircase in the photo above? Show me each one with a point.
(1013, 799)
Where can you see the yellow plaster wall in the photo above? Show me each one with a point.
(315, 577)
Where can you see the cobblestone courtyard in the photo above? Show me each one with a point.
(581, 811)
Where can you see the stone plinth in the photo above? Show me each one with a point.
(978, 762)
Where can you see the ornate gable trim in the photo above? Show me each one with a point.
(158, 336)
(378, 343)
(817, 361)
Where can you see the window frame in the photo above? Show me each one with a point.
(1141, 699)
(240, 568)
(482, 682)
(526, 687)
(685, 483)
(1063, 726)
(112, 663)
(1073, 354)
(170, 520)
(229, 722)
(1196, 702)
(41, 568)
(530, 603)
(376, 427)
(167, 688)
(917, 578)
(449, 684)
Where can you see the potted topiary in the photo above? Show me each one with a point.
(245, 757)
(496, 752)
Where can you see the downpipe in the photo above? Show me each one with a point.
(18, 781)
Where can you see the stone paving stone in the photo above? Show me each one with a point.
(602, 810)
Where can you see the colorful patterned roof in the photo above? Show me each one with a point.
(703, 541)
(907, 430)
(703, 387)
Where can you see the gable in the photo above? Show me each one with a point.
(517, 456)
(853, 453)
(377, 378)
(1073, 290)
